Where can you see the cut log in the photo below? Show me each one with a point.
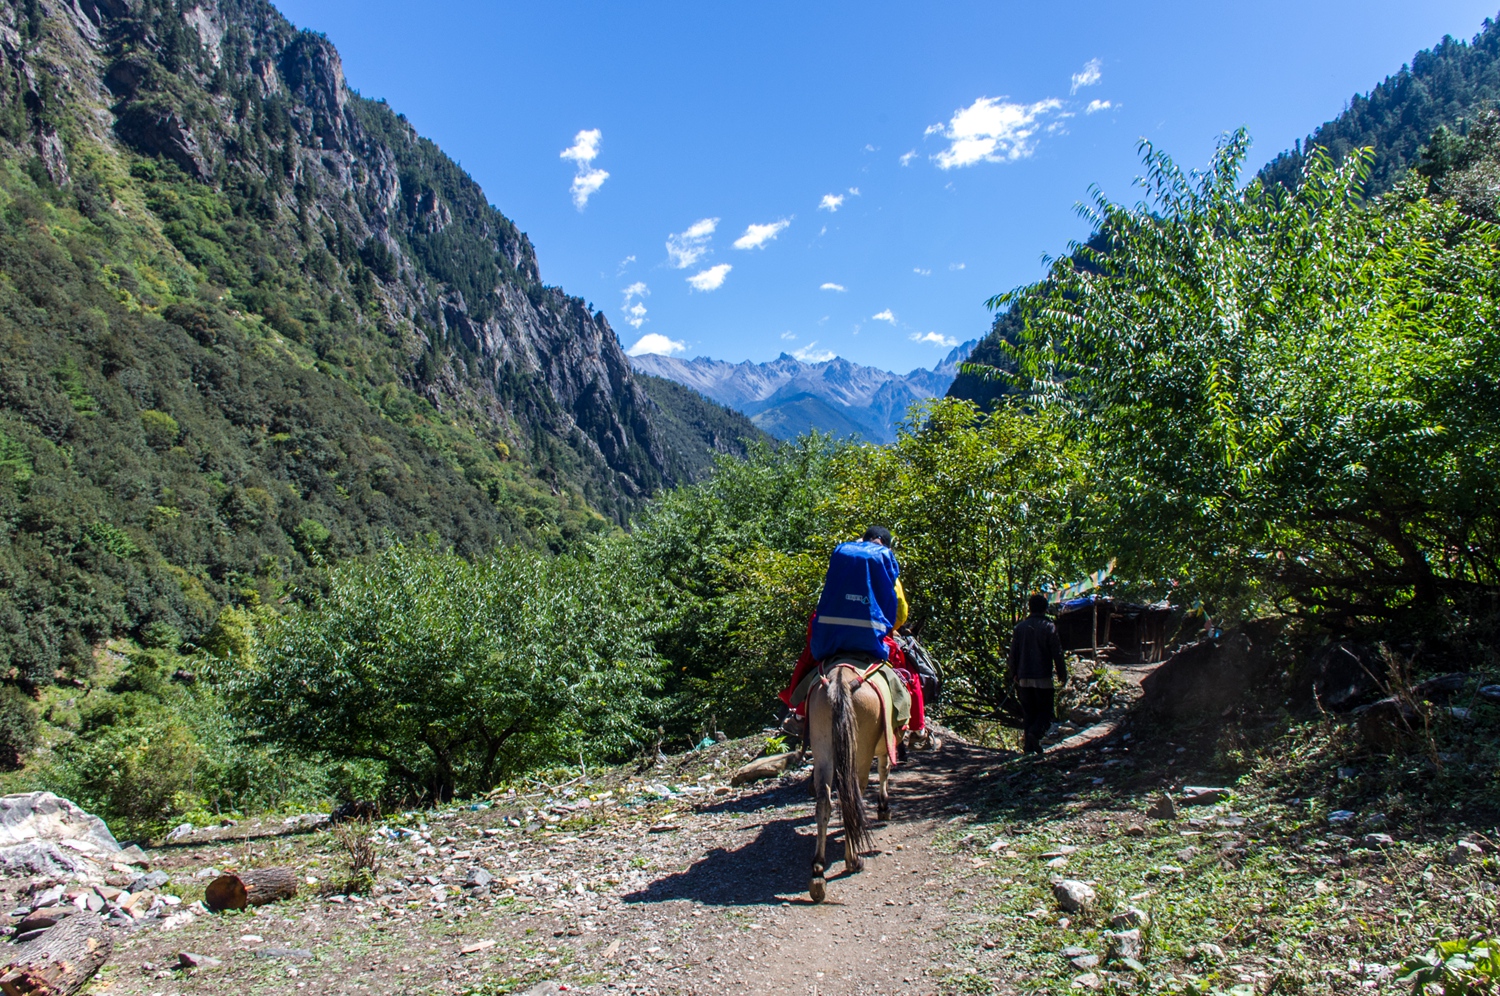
(58, 962)
(251, 888)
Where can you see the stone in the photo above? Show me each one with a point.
(180, 831)
(1073, 951)
(1074, 896)
(1377, 840)
(1490, 693)
(1085, 961)
(1463, 852)
(1125, 943)
(1203, 795)
(1440, 687)
(761, 768)
(478, 878)
(187, 959)
(1163, 808)
(1340, 816)
(1130, 917)
(1088, 981)
(1205, 952)
(133, 855)
(151, 881)
(1187, 853)
(476, 947)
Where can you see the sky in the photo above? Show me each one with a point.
(735, 180)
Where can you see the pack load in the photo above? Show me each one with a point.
(858, 606)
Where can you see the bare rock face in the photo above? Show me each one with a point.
(45, 834)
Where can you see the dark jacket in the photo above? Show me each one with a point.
(1035, 651)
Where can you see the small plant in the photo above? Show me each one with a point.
(1462, 967)
(364, 863)
(775, 745)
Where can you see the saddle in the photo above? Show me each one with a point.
(891, 689)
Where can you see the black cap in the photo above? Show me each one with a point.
(878, 534)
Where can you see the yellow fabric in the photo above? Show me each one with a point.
(901, 607)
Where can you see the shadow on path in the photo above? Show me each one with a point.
(774, 864)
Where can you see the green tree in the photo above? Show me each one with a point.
(451, 673)
(1293, 398)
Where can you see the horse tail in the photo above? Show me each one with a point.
(846, 780)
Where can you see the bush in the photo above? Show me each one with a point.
(18, 723)
(453, 674)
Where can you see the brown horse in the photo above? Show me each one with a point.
(847, 720)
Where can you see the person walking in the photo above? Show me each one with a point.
(1035, 651)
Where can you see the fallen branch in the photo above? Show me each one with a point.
(60, 961)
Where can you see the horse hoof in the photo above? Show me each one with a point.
(884, 812)
(817, 888)
(853, 867)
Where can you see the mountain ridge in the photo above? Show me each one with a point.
(253, 322)
(787, 396)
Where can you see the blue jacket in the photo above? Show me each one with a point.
(858, 606)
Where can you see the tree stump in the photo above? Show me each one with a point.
(251, 888)
(60, 961)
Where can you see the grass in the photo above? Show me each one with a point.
(1258, 894)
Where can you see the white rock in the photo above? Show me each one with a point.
(1463, 852)
(1129, 917)
(1073, 895)
(1125, 943)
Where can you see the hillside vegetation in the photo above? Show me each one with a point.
(251, 322)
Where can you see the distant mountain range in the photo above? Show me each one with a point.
(786, 396)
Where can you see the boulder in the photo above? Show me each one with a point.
(46, 835)
(1074, 896)
(1163, 808)
(1202, 795)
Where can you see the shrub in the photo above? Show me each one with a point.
(17, 727)
(452, 674)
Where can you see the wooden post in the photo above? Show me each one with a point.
(58, 962)
(1095, 634)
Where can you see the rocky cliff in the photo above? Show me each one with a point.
(251, 322)
(392, 231)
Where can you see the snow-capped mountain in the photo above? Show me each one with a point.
(786, 396)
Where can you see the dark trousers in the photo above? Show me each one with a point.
(1037, 713)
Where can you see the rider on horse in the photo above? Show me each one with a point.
(861, 608)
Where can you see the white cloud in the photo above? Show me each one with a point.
(907, 157)
(822, 231)
(1097, 105)
(789, 336)
(833, 287)
(854, 191)
(994, 130)
(807, 354)
(1088, 75)
(655, 342)
(956, 266)
(756, 236)
(870, 148)
(625, 263)
(635, 314)
(935, 129)
(921, 272)
(711, 278)
(935, 338)
(587, 181)
(830, 202)
(688, 247)
(884, 316)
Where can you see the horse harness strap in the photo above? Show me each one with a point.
(867, 669)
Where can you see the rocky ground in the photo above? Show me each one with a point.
(996, 873)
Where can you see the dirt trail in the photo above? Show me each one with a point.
(701, 893)
(880, 931)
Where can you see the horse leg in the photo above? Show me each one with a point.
(820, 733)
(884, 810)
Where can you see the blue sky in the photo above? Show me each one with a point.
(841, 178)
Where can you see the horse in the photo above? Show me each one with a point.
(847, 723)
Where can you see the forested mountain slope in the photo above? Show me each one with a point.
(250, 320)
(1449, 86)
